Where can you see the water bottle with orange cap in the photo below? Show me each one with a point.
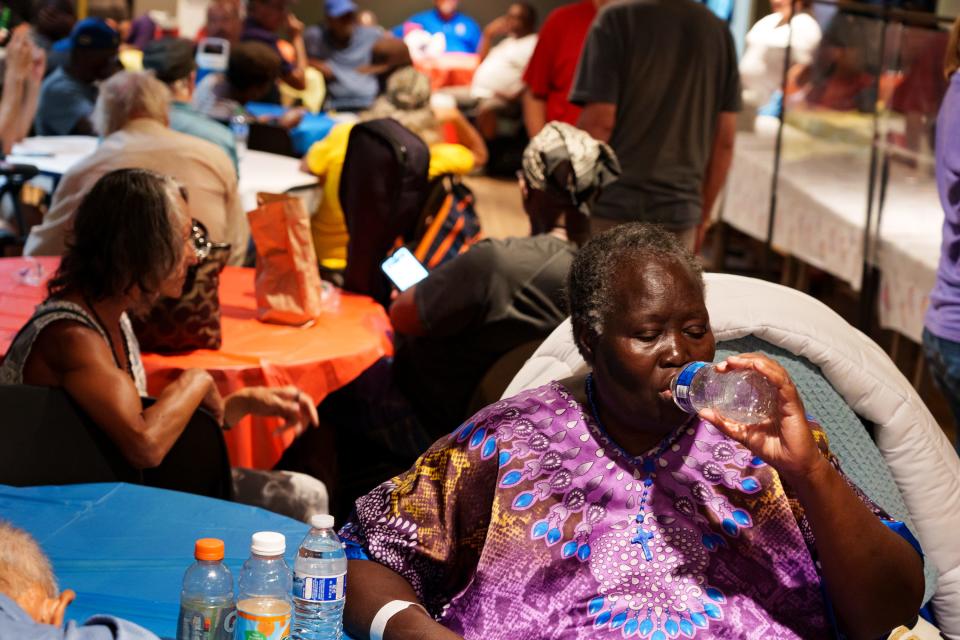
(206, 602)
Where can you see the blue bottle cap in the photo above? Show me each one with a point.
(680, 387)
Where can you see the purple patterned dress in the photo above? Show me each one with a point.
(523, 524)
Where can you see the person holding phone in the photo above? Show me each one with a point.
(454, 324)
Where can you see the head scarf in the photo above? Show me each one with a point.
(594, 163)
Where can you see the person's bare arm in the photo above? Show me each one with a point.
(873, 576)
(296, 77)
(295, 407)
(534, 113)
(721, 155)
(85, 367)
(598, 119)
(322, 67)
(404, 315)
(496, 28)
(372, 585)
(16, 89)
(467, 134)
(31, 97)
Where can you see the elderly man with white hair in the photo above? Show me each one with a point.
(132, 115)
(32, 607)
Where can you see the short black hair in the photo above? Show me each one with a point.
(589, 293)
(530, 15)
(123, 236)
(252, 64)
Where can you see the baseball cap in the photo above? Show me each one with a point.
(337, 8)
(89, 33)
(408, 89)
(169, 58)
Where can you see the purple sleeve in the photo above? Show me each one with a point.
(429, 524)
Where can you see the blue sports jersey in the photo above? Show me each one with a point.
(461, 31)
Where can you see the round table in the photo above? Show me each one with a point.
(124, 548)
(259, 170)
(319, 358)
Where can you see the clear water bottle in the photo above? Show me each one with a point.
(206, 601)
(240, 126)
(263, 604)
(743, 395)
(319, 583)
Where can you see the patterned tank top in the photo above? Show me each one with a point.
(11, 370)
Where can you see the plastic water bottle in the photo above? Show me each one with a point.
(263, 604)
(742, 395)
(240, 126)
(206, 601)
(319, 583)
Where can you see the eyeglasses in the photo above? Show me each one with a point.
(200, 240)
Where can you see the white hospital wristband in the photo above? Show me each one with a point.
(387, 611)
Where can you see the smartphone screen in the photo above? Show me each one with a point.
(403, 269)
(213, 47)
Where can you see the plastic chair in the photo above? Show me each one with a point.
(311, 97)
(48, 439)
(270, 138)
(14, 177)
(845, 379)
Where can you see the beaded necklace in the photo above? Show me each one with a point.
(647, 462)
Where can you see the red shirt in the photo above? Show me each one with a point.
(549, 74)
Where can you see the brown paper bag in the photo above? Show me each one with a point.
(288, 280)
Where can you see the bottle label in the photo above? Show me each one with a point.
(201, 621)
(258, 626)
(319, 588)
(681, 388)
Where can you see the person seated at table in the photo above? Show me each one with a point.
(173, 63)
(454, 325)
(23, 73)
(407, 100)
(498, 82)
(594, 507)
(251, 75)
(460, 32)
(81, 340)
(265, 18)
(68, 95)
(132, 115)
(351, 56)
(31, 605)
(53, 22)
(761, 67)
(224, 20)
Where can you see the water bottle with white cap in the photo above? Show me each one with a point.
(319, 583)
(263, 605)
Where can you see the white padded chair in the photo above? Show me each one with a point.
(837, 369)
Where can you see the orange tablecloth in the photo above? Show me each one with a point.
(319, 359)
(449, 69)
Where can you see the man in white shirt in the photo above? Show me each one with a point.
(498, 82)
(761, 67)
(132, 115)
